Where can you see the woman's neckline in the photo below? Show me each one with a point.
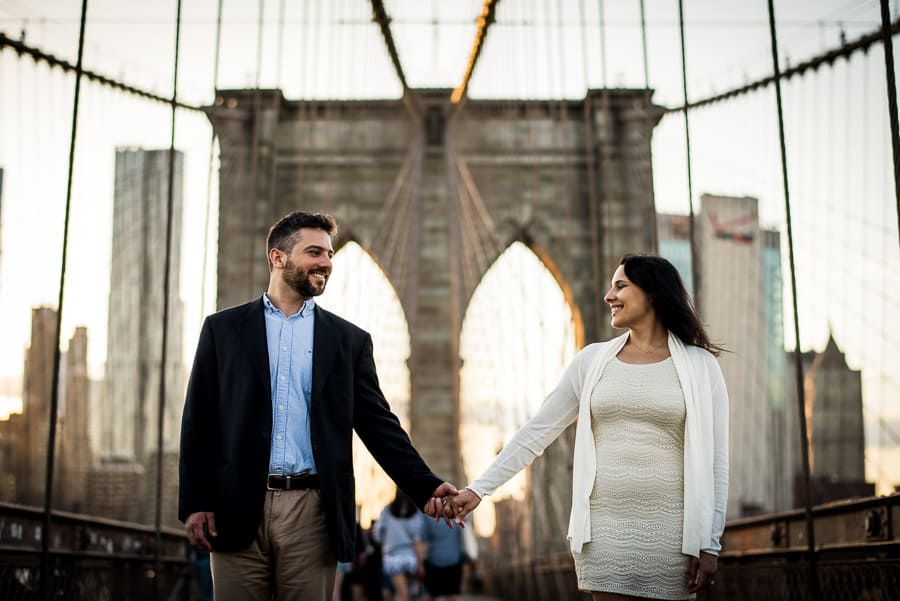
(651, 363)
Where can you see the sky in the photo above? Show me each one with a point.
(836, 124)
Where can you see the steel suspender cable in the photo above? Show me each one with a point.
(485, 20)
(798, 357)
(892, 100)
(40, 56)
(695, 259)
(644, 45)
(161, 409)
(280, 58)
(209, 171)
(46, 574)
(259, 43)
(799, 70)
(601, 11)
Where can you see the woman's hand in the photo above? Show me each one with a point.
(464, 503)
(702, 571)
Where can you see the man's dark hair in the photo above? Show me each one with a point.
(286, 231)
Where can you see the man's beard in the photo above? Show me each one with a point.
(298, 279)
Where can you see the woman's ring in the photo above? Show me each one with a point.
(711, 582)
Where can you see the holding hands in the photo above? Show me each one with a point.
(452, 506)
(439, 506)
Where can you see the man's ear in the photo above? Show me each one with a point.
(276, 258)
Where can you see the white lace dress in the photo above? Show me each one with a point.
(637, 504)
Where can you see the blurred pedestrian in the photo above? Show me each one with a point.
(443, 559)
(398, 530)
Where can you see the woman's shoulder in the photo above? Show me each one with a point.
(598, 347)
(592, 352)
(699, 356)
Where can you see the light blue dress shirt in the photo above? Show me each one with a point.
(290, 342)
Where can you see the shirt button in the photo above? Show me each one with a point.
(281, 407)
(278, 437)
(284, 348)
(281, 378)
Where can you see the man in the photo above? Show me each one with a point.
(277, 388)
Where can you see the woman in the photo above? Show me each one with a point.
(399, 531)
(650, 472)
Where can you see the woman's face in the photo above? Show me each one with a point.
(628, 304)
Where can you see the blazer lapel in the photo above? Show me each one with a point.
(324, 350)
(253, 333)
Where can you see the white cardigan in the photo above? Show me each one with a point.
(705, 441)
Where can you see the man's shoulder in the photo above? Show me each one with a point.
(336, 321)
(235, 312)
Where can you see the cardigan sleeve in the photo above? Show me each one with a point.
(720, 454)
(557, 412)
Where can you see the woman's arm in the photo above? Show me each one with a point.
(720, 454)
(557, 412)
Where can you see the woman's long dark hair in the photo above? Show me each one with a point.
(663, 286)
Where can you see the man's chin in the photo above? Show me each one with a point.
(309, 290)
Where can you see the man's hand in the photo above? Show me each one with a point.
(198, 526)
(438, 506)
(464, 503)
(702, 571)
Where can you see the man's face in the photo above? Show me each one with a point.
(308, 265)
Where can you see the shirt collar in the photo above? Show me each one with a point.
(306, 309)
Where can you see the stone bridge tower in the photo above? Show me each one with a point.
(435, 192)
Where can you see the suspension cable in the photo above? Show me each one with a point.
(601, 12)
(813, 583)
(485, 20)
(280, 58)
(644, 46)
(40, 56)
(384, 21)
(692, 220)
(259, 43)
(892, 99)
(161, 409)
(46, 574)
(827, 58)
(209, 170)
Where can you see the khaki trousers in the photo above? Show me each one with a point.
(291, 557)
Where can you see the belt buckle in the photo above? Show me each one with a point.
(269, 483)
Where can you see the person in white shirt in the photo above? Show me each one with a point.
(650, 471)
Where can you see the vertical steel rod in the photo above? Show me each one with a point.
(695, 258)
(892, 100)
(209, 171)
(644, 45)
(813, 583)
(46, 588)
(161, 409)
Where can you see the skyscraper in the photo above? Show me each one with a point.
(134, 346)
(740, 300)
(74, 456)
(34, 423)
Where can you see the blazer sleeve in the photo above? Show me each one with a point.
(198, 423)
(381, 432)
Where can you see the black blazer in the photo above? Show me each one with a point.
(227, 426)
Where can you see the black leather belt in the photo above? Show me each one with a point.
(292, 481)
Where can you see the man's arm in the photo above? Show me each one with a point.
(198, 426)
(380, 431)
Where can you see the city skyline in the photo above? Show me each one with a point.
(840, 249)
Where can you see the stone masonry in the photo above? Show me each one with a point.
(435, 192)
